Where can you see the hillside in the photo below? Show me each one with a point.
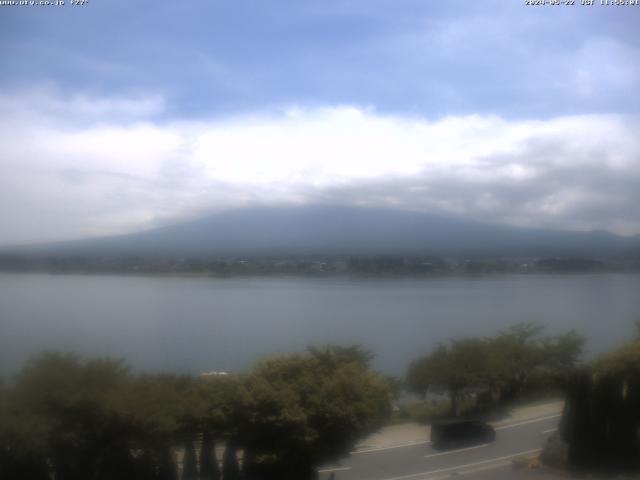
(333, 230)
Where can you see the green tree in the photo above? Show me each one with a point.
(189, 462)
(218, 416)
(521, 358)
(460, 365)
(561, 353)
(624, 360)
(214, 404)
(514, 355)
(305, 409)
(396, 386)
(230, 467)
(164, 411)
(76, 408)
(505, 363)
(419, 376)
(601, 418)
(209, 469)
(22, 451)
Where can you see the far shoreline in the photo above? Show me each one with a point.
(313, 276)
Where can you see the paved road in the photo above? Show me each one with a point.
(422, 462)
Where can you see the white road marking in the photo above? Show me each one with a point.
(457, 450)
(379, 449)
(411, 444)
(550, 430)
(528, 422)
(456, 467)
(426, 442)
(336, 469)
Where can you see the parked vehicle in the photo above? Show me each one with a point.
(446, 434)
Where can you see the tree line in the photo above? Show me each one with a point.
(601, 420)
(72, 419)
(501, 367)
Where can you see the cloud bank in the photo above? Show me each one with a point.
(80, 165)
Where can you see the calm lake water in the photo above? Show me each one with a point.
(201, 324)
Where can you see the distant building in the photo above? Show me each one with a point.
(213, 374)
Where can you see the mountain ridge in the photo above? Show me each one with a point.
(339, 230)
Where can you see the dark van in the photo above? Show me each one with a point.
(448, 434)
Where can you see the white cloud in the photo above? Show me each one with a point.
(123, 170)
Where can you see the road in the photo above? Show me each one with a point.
(422, 462)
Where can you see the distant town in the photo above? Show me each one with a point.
(313, 265)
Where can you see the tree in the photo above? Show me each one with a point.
(86, 418)
(305, 409)
(624, 360)
(459, 365)
(466, 367)
(209, 469)
(424, 373)
(521, 355)
(76, 410)
(164, 411)
(515, 354)
(214, 404)
(560, 354)
(230, 468)
(505, 363)
(189, 462)
(218, 416)
(396, 386)
(22, 452)
(93, 419)
(601, 419)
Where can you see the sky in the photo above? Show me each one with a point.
(121, 116)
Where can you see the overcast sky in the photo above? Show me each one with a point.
(118, 116)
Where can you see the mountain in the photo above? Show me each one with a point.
(337, 230)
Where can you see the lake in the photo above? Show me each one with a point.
(203, 324)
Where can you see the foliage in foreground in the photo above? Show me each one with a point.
(93, 419)
(601, 421)
(308, 409)
(506, 364)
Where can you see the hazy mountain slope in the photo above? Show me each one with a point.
(343, 231)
